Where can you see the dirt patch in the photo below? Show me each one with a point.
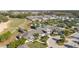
(3, 26)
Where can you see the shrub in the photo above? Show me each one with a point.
(3, 18)
(16, 43)
(44, 39)
(5, 36)
(60, 42)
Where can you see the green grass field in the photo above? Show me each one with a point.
(36, 44)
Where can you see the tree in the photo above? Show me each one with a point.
(66, 32)
(3, 18)
(44, 39)
(20, 15)
(36, 35)
(61, 41)
(62, 36)
(61, 25)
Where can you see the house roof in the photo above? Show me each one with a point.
(75, 35)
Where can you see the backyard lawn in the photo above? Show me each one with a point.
(36, 44)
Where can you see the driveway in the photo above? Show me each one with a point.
(52, 42)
